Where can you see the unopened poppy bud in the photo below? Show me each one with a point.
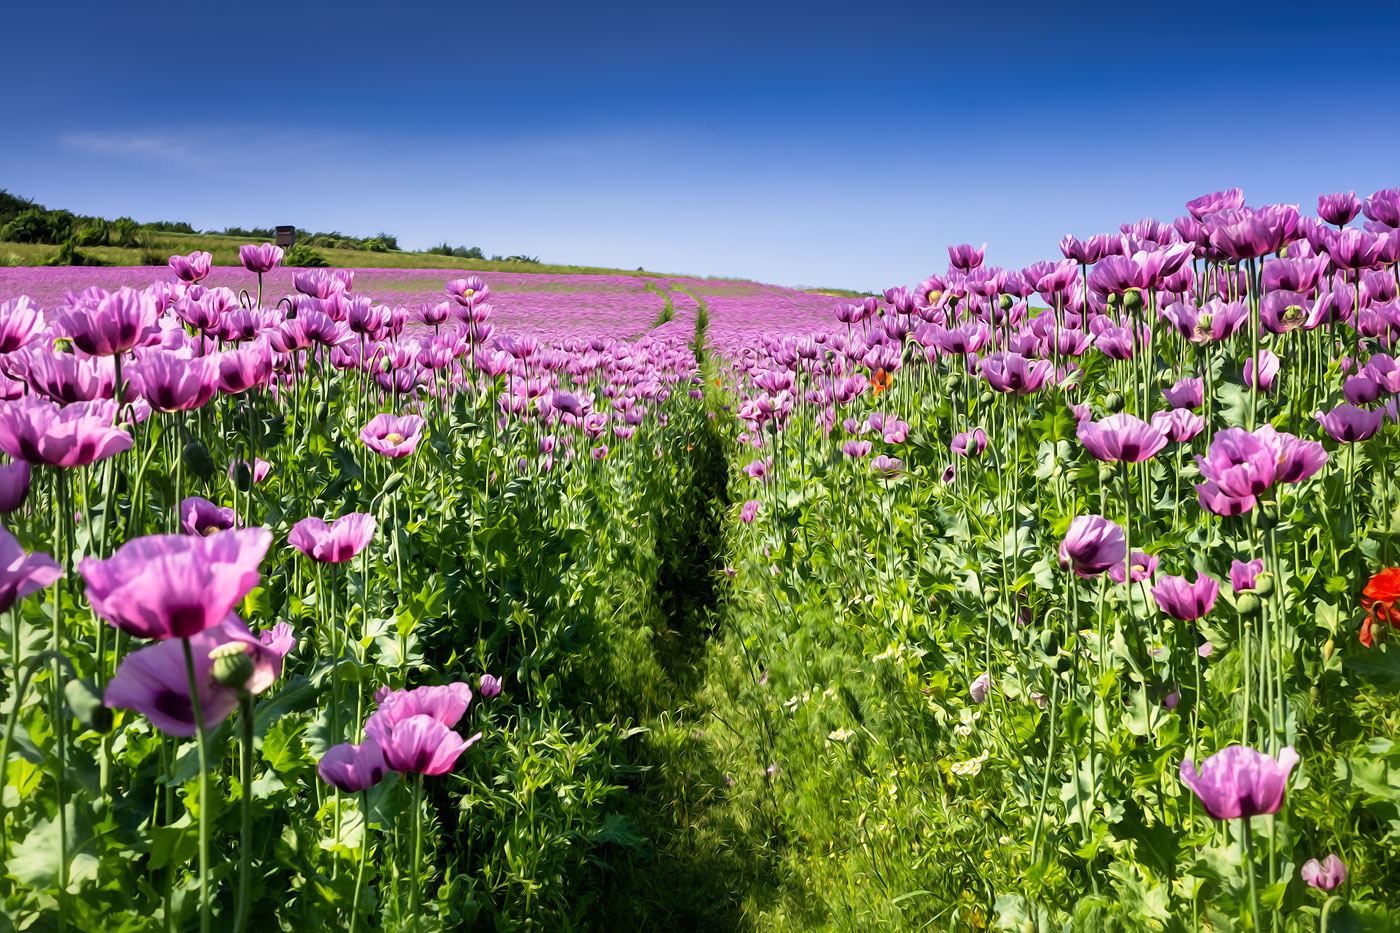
(1266, 516)
(392, 483)
(1113, 401)
(1105, 472)
(323, 411)
(1248, 603)
(1112, 300)
(232, 666)
(985, 398)
(198, 461)
(63, 345)
(1006, 302)
(1264, 584)
(1049, 643)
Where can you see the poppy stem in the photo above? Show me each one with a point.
(364, 852)
(196, 708)
(245, 856)
(417, 844)
(1247, 841)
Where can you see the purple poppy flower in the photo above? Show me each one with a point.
(965, 258)
(414, 727)
(1213, 321)
(1015, 374)
(14, 485)
(1296, 459)
(1340, 209)
(335, 543)
(202, 518)
(1121, 438)
(886, 466)
(1178, 424)
(22, 573)
(468, 291)
(1348, 424)
(1217, 502)
(1206, 650)
(1144, 567)
(1186, 393)
(1355, 249)
(1092, 545)
(20, 322)
(40, 432)
(758, 469)
(153, 680)
(173, 586)
(1238, 782)
(1215, 202)
(245, 368)
(191, 268)
(174, 383)
(393, 435)
(856, 449)
(1361, 389)
(105, 323)
(1266, 366)
(1326, 875)
(1186, 601)
(489, 685)
(260, 257)
(1239, 464)
(749, 511)
(980, 687)
(1383, 207)
(353, 768)
(1243, 576)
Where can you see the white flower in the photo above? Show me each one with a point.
(839, 735)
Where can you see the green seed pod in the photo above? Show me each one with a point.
(1247, 603)
(1006, 302)
(1133, 300)
(391, 484)
(85, 703)
(232, 666)
(1264, 585)
(1112, 300)
(1113, 401)
(323, 411)
(1064, 663)
(198, 461)
(1049, 643)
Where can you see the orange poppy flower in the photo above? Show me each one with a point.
(1378, 599)
(881, 381)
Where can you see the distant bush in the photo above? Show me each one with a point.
(125, 231)
(169, 226)
(36, 225)
(251, 233)
(461, 252)
(69, 255)
(533, 260)
(304, 256)
(96, 232)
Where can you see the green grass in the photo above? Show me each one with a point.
(225, 252)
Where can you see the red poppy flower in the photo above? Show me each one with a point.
(1378, 599)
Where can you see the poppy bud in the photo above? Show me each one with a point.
(1266, 516)
(1264, 584)
(1133, 300)
(1006, 302)
(953, 381)
(1049, 643)
(1248, 603)
(85, 703)
(392, 483)
(1064, 663)
(1112, 300)
(242, 476)
(232, 666)
(198, 461)
(1113, 401)
(985, 398)
(323, 411)
(1105, 472)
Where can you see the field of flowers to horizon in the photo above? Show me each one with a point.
(1057, 598)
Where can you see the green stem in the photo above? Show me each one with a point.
(196, 708)
(245, 838)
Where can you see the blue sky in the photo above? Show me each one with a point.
(817, 143)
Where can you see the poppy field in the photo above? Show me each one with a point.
(1053, 598)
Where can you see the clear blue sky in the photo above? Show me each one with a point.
(799, 143)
